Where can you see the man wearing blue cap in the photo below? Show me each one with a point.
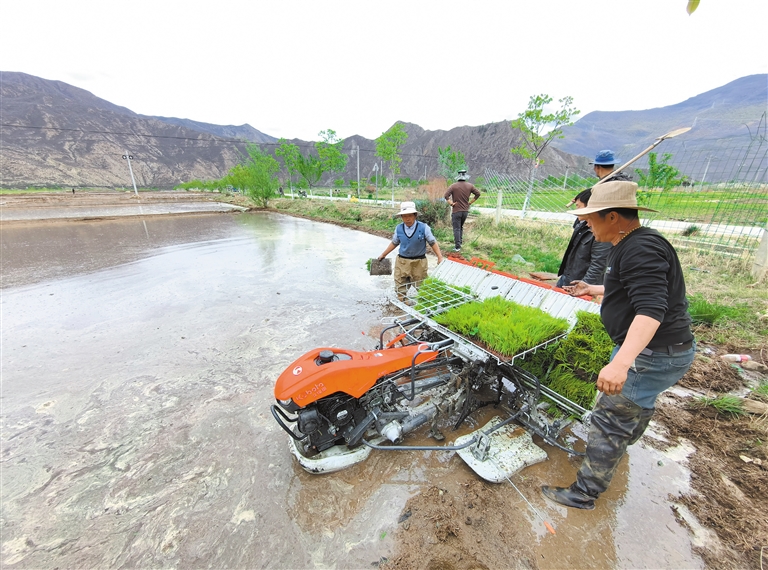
(604, 164)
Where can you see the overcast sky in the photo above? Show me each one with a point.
(291, 68)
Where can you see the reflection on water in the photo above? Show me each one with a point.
(40, 251)
(137, 379)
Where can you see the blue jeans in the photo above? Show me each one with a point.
(649, 376)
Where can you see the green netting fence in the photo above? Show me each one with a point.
(710, 194)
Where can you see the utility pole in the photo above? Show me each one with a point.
(358, 171)
(128, 157)
(381, 172)
(706, 169)
(376, 174)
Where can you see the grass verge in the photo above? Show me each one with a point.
(728, 307)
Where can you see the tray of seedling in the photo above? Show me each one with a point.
(492, 327)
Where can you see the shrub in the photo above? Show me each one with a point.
(691, 230)
(433, 213)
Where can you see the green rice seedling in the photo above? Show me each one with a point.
(570, 366)
(587, 348)
(464, 319)
(727, 404)
(538, 363)
(563, 381)
(436, 296)
(505, 327)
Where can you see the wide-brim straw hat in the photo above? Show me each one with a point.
(610, 195)
(407, 208)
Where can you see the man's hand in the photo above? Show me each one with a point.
(611, 379)
(577, 288)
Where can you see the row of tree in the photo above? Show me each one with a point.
(256, 174)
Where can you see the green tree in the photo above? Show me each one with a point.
(449, 162)
(290, 154)
(538, 129)
(388, 147)
(330, 158)
(658, 175)
(311, 169)
(330, 152)
(255, 175)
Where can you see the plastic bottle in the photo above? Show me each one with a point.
(736, 357)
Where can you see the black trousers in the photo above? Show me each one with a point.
(458, 219)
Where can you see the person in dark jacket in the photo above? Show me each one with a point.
(584, 258)
(645, 312)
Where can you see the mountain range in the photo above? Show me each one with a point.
(732, 111)
(56, 134)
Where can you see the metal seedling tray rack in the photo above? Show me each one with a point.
(462, 346)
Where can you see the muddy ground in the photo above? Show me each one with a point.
(436, 512)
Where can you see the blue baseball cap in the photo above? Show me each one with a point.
(605, 158)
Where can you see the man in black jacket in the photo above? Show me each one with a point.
(584, 258)
(645, 312)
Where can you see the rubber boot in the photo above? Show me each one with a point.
(569, 496)
(616, 422)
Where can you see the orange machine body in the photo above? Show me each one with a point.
(306, 381)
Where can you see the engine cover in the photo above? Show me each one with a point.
(312, 377)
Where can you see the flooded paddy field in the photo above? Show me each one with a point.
(138, 360)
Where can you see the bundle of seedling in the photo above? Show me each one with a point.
(570, 367)
(502, 326)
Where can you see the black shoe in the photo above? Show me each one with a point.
(569, 497)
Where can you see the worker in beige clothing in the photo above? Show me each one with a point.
(460, 195)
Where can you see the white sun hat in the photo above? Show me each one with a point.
(407, 208)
